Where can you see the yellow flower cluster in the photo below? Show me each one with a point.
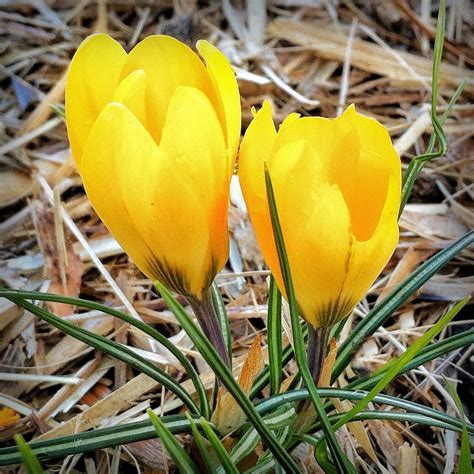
(155, 135)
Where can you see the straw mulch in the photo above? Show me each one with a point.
(309, 56)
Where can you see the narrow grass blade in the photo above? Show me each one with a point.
(263, 466)
(223, 318)
(179, 455)
(320, 453)
(274, 337)
(199, 439)
(282, 417)
(111, 348)
(219, 449)
(427, 354)
(97, 439)
(394, 300)
(417, 163)
(396, 366)
(283, 435)
(340, 459)
(226, 377)
(356, 395)
(244, 447)
(150, 331)
(465, 465)
(28, 458)
(391, 415)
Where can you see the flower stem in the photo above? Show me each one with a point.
(317, 350)
(209, 322)
(316, 354)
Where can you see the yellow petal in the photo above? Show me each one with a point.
(370, 256)
(255, 150)
(288, 120)
(168, 63)
(319, 132)
(193, 141)
(116, 160)
(375, 140)
(378, 164)
(92, 78)
(227, 90)
(297, 175)
(357, 156)
(315, 224)
(131, 93)
(344, 158)
(194, 146)
(336, 142)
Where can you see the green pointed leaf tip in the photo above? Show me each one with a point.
(176, 451)
(397, 365)
(227, 463)
(201, 444)
(28, 458)
(465, 465)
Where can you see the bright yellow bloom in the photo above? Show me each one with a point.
(154, 134)
(337, 189)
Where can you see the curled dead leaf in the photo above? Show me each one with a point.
(228, 414)
(14, 185)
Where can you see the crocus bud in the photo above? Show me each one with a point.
(154, 134)
(337, 190)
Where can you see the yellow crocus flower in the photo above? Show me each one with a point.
(154, 134)
(337, 189)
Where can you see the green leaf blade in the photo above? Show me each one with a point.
(223, 318)
(224, 457)
(465, 465)
(29, 459)
(199, 439)
(274, 337)
(175, 450)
